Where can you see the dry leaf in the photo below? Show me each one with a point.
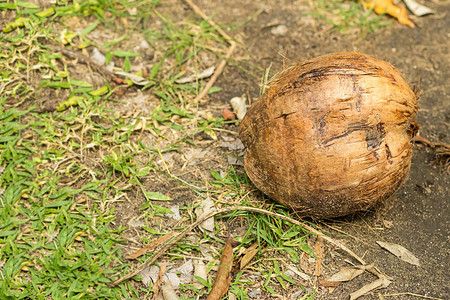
(346, 274)
(417, 9)
(158, 282)
(206, 208)
(199, 271)
(249, 254)
(185, 271)
(175, 212)
(151, 246)
(118, 80)
(97, 57)
(136, 79)
(372, 269)
(147, 276)
(228, 115)
(223, 277)
(173, 278)
(191, 78)
(401, 252)
(169, 292)
(327, 283)
(239, 106)
(379, 283)
(304, 276)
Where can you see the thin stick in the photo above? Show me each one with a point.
(227, 210)
(199, 12)
(421, 139)
(216, 73)
(411, 294)
(222, 64)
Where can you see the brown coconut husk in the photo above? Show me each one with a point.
(329, 135)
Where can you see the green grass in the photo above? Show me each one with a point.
(56, 238)
(63, 169)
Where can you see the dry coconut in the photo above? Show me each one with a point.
(330, 136)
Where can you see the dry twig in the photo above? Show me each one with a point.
(230, 51)
(441, 150)
(407, 294)
(154, 244)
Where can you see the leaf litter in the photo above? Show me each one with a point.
(169, 292)
(206, 207)
(401, 252)
(158, 282)
(223, 276)
(249, 254)
(200, 271)
(239, 105)
(348, 273)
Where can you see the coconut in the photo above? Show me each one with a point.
(329, 136)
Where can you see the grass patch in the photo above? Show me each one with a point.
(69, 157)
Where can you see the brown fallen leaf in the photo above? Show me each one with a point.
(223, 277)
(401, 252)
(417, 9)
(249, 254)
(120, 91)
(228, 115)
(347, 274)
(144, 72)
(302, 275)
(118, 80)
(379, 283)
(151, 246)
(328, 283)
(162, 270)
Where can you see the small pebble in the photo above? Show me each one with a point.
(279, 30)
(255, 293)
